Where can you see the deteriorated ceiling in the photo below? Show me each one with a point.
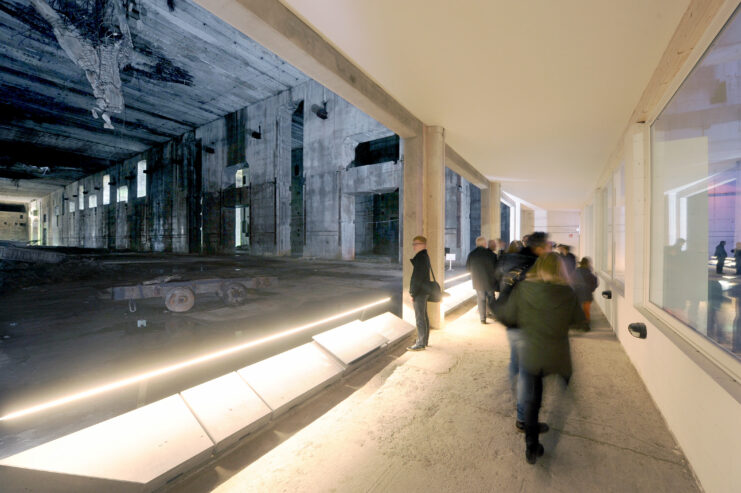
(86, 83)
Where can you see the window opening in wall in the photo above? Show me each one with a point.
(695, 263)
(377, 225)
(122, 194)
(106, 189)
(92, 201)
(72, 206)
(298, 230)
(504, 217)
(376, 151)
(242, 226)
(81, 197)
(242, 178)
(141, 179)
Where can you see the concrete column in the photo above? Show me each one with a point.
(491, 220)
(424, 210)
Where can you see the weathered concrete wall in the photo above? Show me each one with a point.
(191, 196)
(457, 216)
(156, 222)
(14, 226)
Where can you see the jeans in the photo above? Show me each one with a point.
(532, 391)
(513, 336)
(423, 321)
(484, 299)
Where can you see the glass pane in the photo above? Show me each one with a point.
(618, 181)
(696, 168)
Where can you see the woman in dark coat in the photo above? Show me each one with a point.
(544, 307)
(585, 282)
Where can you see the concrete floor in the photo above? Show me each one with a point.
(443, 420)
(59, 338)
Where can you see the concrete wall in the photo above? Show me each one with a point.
(561, 226)
(14, 226)
(458, 215)
(191, 189)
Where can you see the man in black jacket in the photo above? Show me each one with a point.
(480, 264)
(418, 289)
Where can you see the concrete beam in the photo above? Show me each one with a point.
(279, 30)
(457, 163)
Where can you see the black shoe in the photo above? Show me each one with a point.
(532, 453)
(483, 321)
(416, 347)
(542, 427)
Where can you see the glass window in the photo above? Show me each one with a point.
(696, 167)
(81, 197)
(92, 201)
(106, 189)
(72, 206)
(141, 179)
(123, 194)
(618, 192)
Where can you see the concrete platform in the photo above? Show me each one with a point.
(136, 451)
(442, 420)
(227, 408)
(350, 342)
(287, 378)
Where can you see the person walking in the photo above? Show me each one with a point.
(543, 306)
(720, 254)
(418, 289)
(568, 258)
(585, 282)
(511, 269)
(480, 263)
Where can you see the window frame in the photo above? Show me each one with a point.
(721, 358)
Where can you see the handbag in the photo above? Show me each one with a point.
(433, 288)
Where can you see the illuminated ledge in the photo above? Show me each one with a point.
(227, 409)
(287, 378)
(458, 294)
(350, 342)
(144, 447)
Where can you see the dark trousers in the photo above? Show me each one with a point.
(719, 265)
(484, 299)
(423, 321)
(532, 394)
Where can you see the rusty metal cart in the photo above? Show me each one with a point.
(180, 296)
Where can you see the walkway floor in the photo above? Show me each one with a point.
(442, 420)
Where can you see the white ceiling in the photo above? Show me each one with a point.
(534, 93)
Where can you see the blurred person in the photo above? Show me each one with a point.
(720, 254)
(737, 256)
(543, 306)
(419, 291)
(514, 247)
(568, 258)
(481, 263)
(511, 269)
(584, 284)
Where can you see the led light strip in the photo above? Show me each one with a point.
(457, 277)
(169, 369)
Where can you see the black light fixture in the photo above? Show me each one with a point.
(256, 135)
(321, 111)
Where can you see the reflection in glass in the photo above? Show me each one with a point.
(696, 169)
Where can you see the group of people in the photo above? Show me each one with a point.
(541, 295)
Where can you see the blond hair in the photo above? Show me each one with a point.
(419, 239)
(481, 241)
(549, 268)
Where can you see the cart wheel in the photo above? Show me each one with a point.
(233, 293)
(180, 299)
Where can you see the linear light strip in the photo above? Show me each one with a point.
(457, 277)
(184, 364)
